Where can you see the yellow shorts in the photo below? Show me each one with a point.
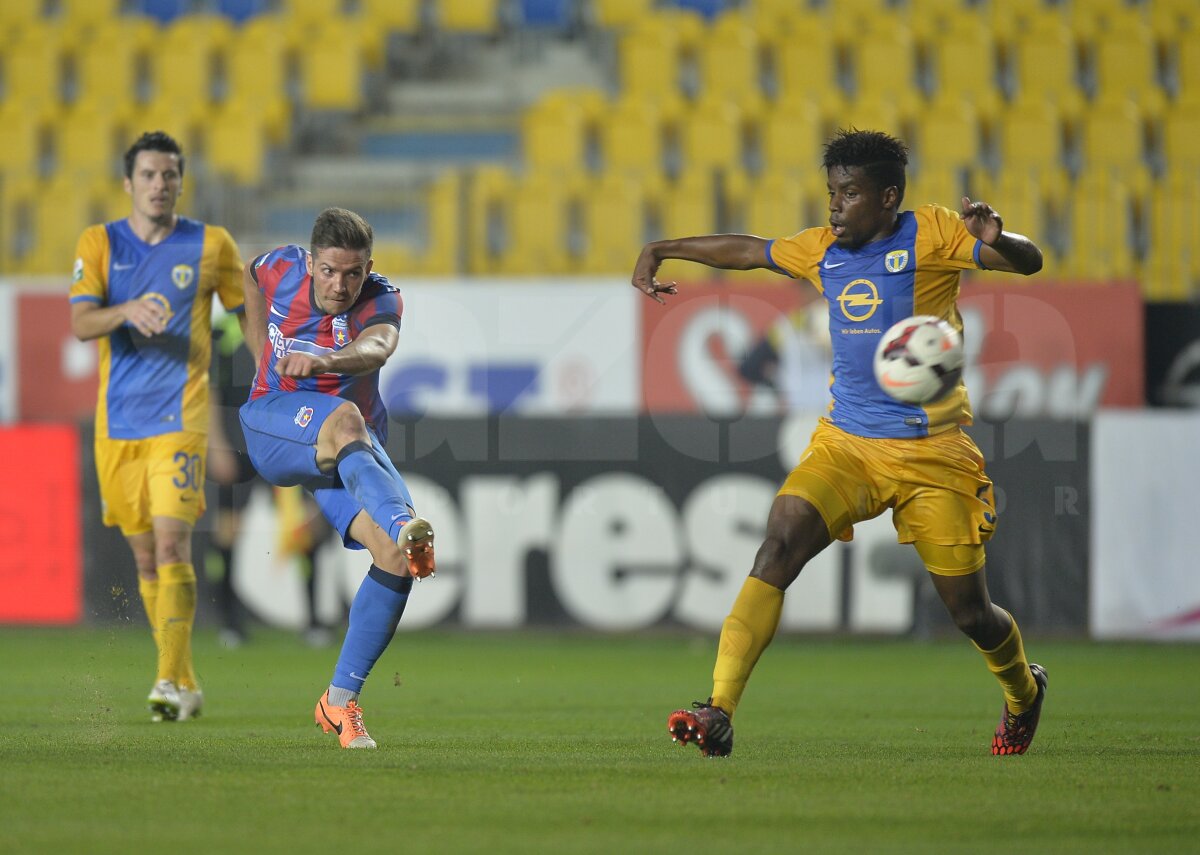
(936, 485)
(162, 476)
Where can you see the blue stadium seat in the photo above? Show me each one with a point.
(240, 11)
(708, 8)
(547, 14)
(163, 10)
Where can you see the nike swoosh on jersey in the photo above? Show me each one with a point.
(829, 266)
(124, 266)
(275, 311)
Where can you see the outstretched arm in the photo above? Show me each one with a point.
(365, 354)
(728, 252)
(1007, 251)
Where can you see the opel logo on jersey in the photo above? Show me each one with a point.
(182, 275)
(161, 301)
(859, 300)
(896, 260)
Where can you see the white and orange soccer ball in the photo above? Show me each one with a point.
(919, 360)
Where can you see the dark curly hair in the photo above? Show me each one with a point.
(881, 156)
(153, 141)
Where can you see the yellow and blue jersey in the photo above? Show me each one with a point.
(157, 385)
(914, 271)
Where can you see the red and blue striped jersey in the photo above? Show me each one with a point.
(296, 325)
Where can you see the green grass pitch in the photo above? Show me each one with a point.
(540, 742)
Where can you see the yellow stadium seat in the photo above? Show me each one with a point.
(554, 135)
(1044, 65)
(1101, 227)
(649, 60)
(632, 136)
(885, 63)
(805, 64)
(90, 140)
(791, 137)
(614, 215)
(776, 204)
(1188, 68)
(687, 206)
(1181, 137)
(935, 184)
(1125, 65)
(965, 64)
(186, 57)
(619, 14)
(728, 61)
(33, 65)
(1174, 19)
(1113, 136)
(181, 121)
(949, 135)
(711, 136)
(471, 17)
(392, 16)
(85, 14)
(443, 231)
(256, 72)
(108, 64)
(64, 208)
(1023, 196)
(538, 227)
(23, 137)
(17, 13)
(332, 78)
(870, 114)
(236, 142)
(1173, 263)
(489, 197)
(1031, 135)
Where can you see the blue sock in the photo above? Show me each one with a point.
(378, 488)
(374, 614)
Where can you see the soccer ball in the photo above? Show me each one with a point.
(919, 360)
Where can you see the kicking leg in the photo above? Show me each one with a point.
(960, 579)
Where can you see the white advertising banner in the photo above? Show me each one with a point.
(515, 347)
(1145, 540)
(8, 355)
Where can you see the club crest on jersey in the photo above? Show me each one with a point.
(341, 330)
(77, 273)
(182, 275)
(304, 416)
(896, 260)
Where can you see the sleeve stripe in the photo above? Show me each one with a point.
(976, 254)
(771, 259)
(86, 298)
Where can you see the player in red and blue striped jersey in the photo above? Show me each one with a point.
(874, 265)
(323, 325)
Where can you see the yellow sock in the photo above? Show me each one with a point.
(176, 614)
(1011, 668)
(744, 636)
(148, 588)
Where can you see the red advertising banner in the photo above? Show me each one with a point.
(58, 380)
(41, 562)
(1047, 350)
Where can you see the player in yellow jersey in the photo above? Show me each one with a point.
(874, 264)
(143, 288)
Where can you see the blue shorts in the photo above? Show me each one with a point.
(281, 435)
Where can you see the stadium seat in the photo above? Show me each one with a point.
(619, 14)
(614, 219)
(868, 114)
(236, 142)
(1113, 136)
(948, 135)
(241, 11)
(185, 59)
(728, 62)
(256, 71)
(707, 9)
(15, 14)
(23, 135)
(965, 64)
(108, 66)
(649, 59)
(687, 206)
(90, 139)
(1172, 269)
(554, 135)
(1187, 70)
(63, 209)
(885, 63)
(633, 135)
(33, 65)
(936, 184)
(711, 135)
(443, 232)
(548, 15)
(85, 14)
(179, 120)
(489, 194)
(1043, 66)
(332, 78)
(164, 10)
(1031, 135)
(777, 203)
(1101, 245)
(791, 137)
(392, 16)
(1181, 137)
(1025, 196)
(1125, 65)
(539, 226)
(467, 17)
(805, 64)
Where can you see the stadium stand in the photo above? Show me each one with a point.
(634, 118)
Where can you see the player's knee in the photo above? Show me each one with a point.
(347, 425)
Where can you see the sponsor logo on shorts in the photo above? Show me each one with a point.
(304, 416)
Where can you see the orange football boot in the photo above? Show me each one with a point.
(345, 721)
(416, 542)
